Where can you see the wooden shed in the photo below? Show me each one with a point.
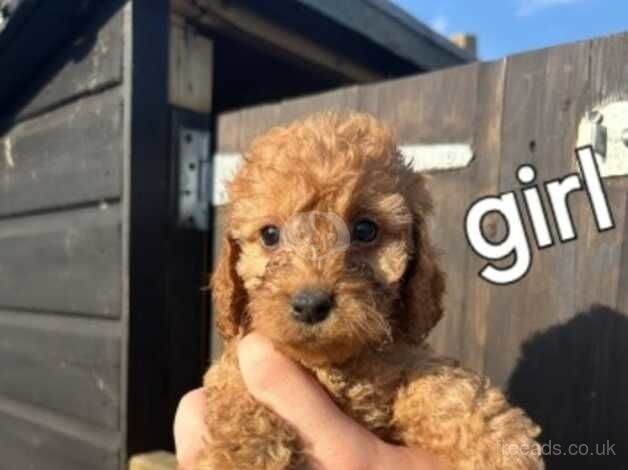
(109, 118)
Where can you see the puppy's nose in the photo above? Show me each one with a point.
(311, 305)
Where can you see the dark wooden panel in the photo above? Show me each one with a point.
(68, 365)
(53, 22)
(69, 156)
(92, 61)
(35, 440)
(63, 262)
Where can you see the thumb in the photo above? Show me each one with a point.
(298, 398)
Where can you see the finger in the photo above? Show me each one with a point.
(294, 395)
(189, 427)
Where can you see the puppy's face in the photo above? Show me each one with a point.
(325, 231)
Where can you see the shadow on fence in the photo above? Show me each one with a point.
(573, 380)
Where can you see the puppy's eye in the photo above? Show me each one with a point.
(270, 236)
(364, 231)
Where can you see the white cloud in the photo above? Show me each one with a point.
(440, 24)
(529, 7)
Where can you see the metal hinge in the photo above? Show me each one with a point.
(606, 130)
(194, 179)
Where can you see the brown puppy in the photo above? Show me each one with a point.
(326, 252)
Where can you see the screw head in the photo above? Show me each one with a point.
(595, 117)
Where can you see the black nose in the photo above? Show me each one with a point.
(311, 305)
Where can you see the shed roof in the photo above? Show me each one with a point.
(395, 37)
(391, 27)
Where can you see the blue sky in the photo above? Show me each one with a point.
(508, 26)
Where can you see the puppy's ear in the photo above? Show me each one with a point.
(228, 294)
(423, 284)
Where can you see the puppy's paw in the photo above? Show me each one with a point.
(456, 414)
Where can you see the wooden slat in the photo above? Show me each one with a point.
(51, 361)
(66, 157)
(92, 62)
(599, 254)
(190, 80)
(609, 74)
(479, 180)
(521, 122)
(409, 106)
(34, 439)
(228, 132)
(237, 129)
(336, 100)
(543, 93)
(430, 108)
(253, 122)
(63, 262)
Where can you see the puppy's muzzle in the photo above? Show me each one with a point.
(311, 306)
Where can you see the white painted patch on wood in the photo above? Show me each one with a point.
(438, 157)
(615, 120)
(225, 166)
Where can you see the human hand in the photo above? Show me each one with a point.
(332, 439)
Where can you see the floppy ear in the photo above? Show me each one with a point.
(424, 283)
(228, 294)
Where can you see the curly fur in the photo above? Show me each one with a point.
(369, 353)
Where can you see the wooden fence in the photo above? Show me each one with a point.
(557, 340)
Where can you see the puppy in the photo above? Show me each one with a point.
(326, 252)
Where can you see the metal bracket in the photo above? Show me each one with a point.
(194, 179)
(606, 129)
